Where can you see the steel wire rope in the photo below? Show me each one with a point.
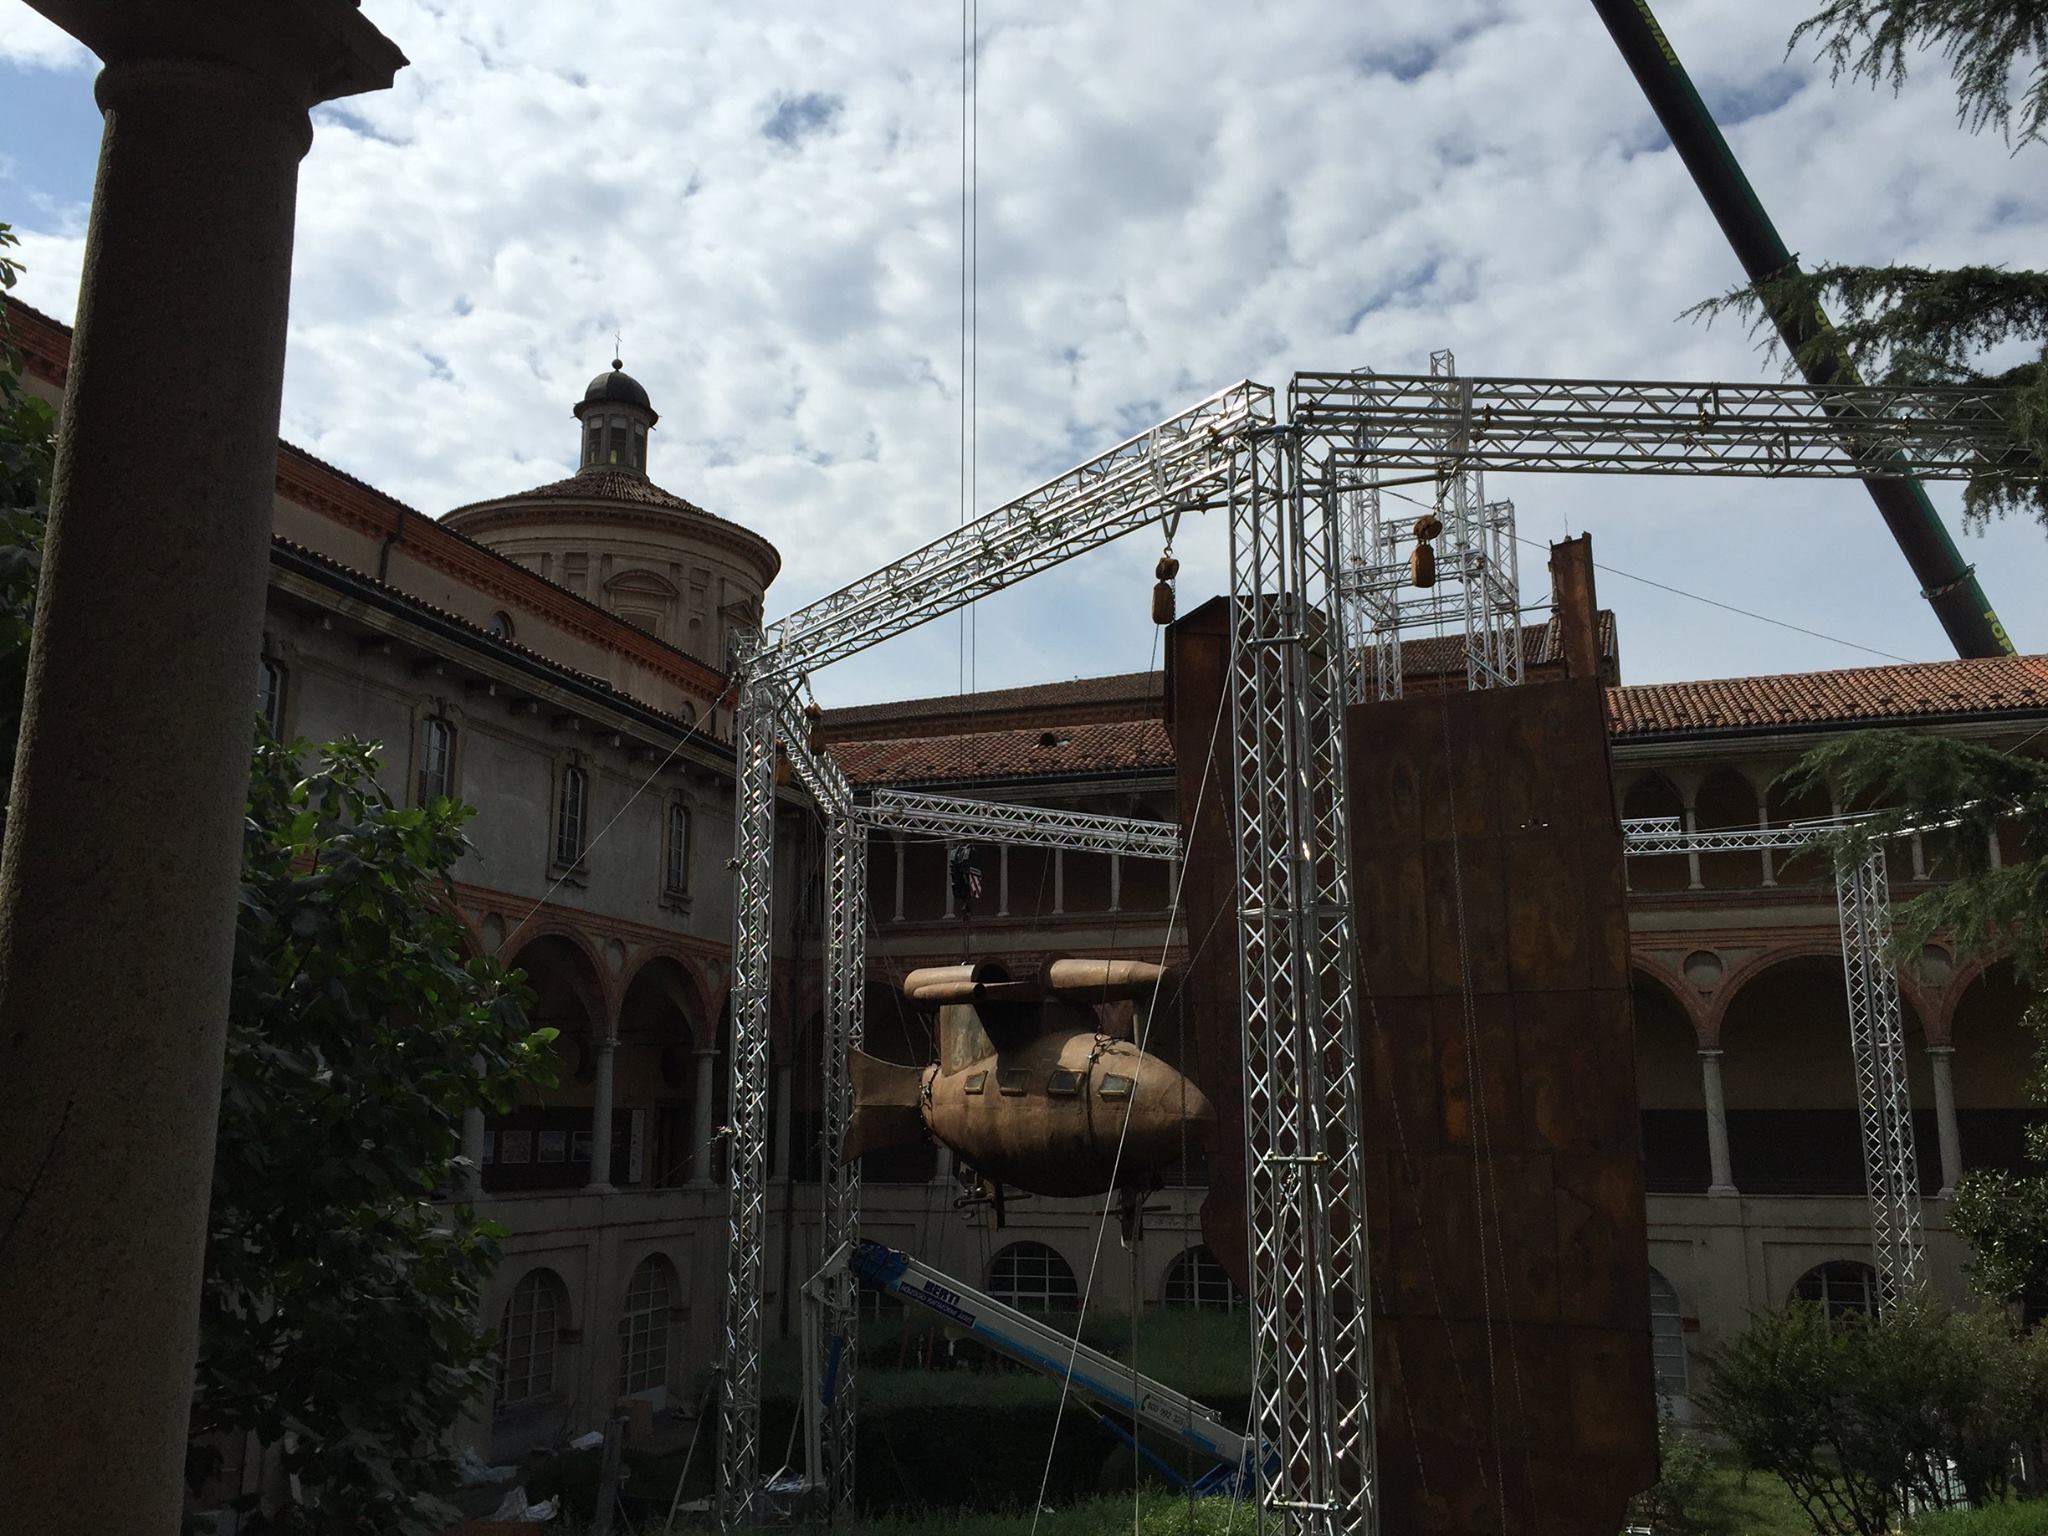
(1116, 1162)
(1711, 602)
(1485, 1188)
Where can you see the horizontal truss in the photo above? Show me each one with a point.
(1024, 826)
(1394, 424)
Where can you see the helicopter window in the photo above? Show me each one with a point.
(1013, 1080)
(1063, 1085)
(1113, 1087)
(976, 1082)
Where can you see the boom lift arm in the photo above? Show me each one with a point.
(1949, 585)
(1113, 1391)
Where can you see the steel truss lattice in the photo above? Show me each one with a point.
(1028, 826)
(1308, 1220)
(1311, 1322)
(1477, 590)
(1876, 1036)
(846, 928)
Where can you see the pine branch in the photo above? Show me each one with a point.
(1983, 40)
(1913, 325)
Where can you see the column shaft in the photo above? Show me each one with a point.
(601, 1120)
(702, 1128)
(1941, 1060)
(1116, 882)
(1721, 1171)
(897, 916)
(117, 887)
(1003, 880)
(1059, 880)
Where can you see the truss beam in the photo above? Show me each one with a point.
(739, 1441)
(846, 929)
(1311, 1325)
(1026, 826)
(1397, 424)
(1181, 465)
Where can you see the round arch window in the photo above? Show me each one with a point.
(1034, 1278)
(1845, 1287)
(527, 1332)
(501, 625)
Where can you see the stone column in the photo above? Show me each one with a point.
(707, 1082)
(1059, 881)
(1116, 882)
(601, 1120)
(897, 915)
(1763, 822)
(780, 1167)
(118, 882)
(1721, 1172)
(1003, 880)
(1692, 854)
(473, 1149)
(1941, 1061)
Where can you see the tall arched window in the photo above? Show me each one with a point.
(527, 1331)
(437, 759)
(270, 693)
(1845, 1287)
(676, 867)
(571, 810)
(643, 1328)
(1667, 1337)
(1195, 1279)
(1033, 1277)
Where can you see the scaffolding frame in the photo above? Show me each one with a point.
(1477, 588)
(1306, 1218)
(1877, 1041)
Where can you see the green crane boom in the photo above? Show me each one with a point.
(1948, 584)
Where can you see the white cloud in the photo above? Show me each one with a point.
(1170, 199)
(28, 39)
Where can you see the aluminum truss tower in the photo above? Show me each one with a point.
(1876, 1033)
(1287, 694)
(1476, 593)
(1310, 1295)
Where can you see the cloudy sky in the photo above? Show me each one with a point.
(766, 200)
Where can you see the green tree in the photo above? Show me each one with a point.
(1977, 793)
(340, 1312)
(28, 436)
(1977, 325)
(1860, 1415)
(340, 1315)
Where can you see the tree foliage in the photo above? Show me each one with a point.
(28, 434)
(340, 1311)
(1984, 42)
(340, 1315)
(1907, 325)
(1859, 1415)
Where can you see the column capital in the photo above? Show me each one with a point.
(312, 50)
(1934, 1049)
(1709, 1052)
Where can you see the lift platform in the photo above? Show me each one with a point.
(1126, 1402)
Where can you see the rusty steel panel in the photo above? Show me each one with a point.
(1510, 1283)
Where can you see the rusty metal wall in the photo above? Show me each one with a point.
(1511, 1290)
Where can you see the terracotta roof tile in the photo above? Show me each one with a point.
(1118, 746)
(1914, 691)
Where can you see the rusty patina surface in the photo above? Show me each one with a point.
(1509, 1256)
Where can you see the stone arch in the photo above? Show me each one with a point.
(1785, 803)
(1667, 1338)
(1789, 1076)
(1652, 794)
(654, 1070)
(1726, 801)
(543, 1142)
(1992, 1063)
(1668, 1088)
